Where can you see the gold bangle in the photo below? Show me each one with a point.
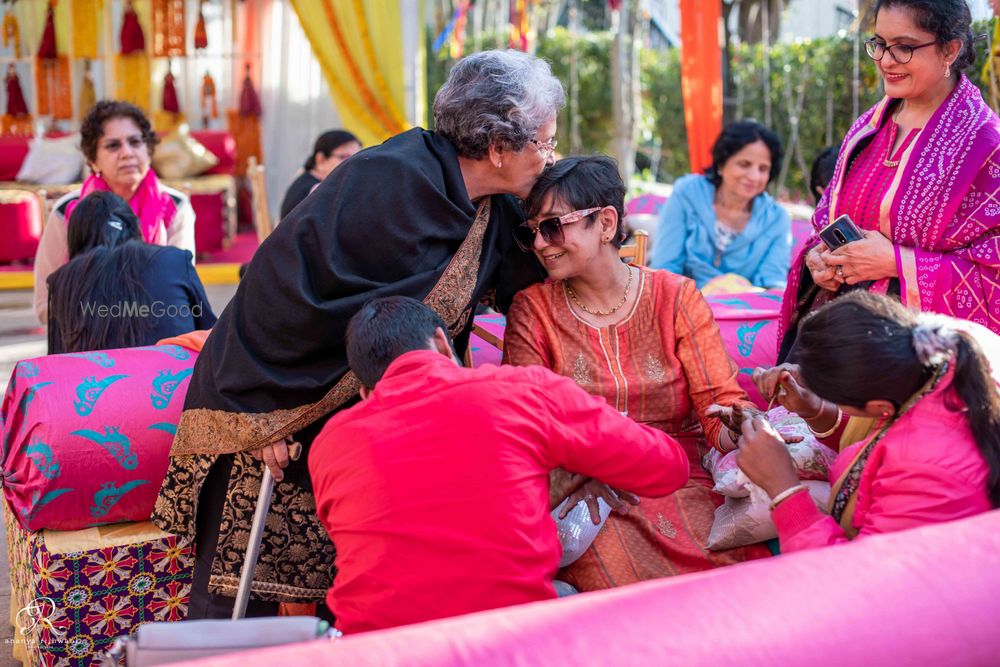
(787, 493)
(822, 407)
(828, 433)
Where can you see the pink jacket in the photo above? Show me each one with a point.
(926, 469)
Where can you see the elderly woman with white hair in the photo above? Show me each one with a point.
(428, 215)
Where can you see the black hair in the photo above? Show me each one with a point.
(733, 138)
(101, 218)
(107, 260)
(947, 20)
(837, 342)
(92, 125)
(580, 183)
(384, 329)
(822, 171)
(328, 142)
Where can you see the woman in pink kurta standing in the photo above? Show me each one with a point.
(918, 172)
(934, 453)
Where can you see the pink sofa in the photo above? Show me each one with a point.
(914, 598)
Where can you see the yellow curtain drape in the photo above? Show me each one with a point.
(359, 46)
(86, 16)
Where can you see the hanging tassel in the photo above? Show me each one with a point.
(200, 35)
(168, 28)
(17, 120)
(249, 100)
(11, 33)
(88, 96)
(47, 45)
(209, 104)
(86, 17)
(16, 106)
(132, 39)
(170, 103)
(246, 134)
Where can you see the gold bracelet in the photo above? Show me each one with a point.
(787, 493)
(836, 425)
(822, 407)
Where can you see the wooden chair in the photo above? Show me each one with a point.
(258, 192)
(635, 252)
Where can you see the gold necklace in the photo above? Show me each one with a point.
(599, 313)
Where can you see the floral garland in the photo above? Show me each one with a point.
(380, 85)
(359, 82)
(343, 96)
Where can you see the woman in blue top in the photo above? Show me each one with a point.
(723, 221)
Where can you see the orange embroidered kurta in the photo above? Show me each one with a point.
(663, 365)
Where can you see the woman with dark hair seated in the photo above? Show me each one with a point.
(646, 342)
(117, 290)
(723, 222)
(934, 454)
(329, 151)
(117, 141)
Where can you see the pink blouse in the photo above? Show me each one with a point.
(926, 469)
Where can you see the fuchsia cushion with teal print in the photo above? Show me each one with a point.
(749, 326)
(86, 436)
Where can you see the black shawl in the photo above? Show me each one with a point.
(386, 222)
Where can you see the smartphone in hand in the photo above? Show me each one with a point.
(840, 232)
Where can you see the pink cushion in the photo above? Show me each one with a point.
(13, 150)
(86, 436)
(749, 326)
(20, 226)
(919, 597)
(222, 144)
(210, 224)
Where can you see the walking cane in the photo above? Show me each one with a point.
(256, 534)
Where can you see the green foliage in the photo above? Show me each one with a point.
(593, 54)
(822, 69)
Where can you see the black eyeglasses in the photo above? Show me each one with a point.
(901, 53)
(551, 229)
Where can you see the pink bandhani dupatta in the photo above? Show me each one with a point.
(942, 211)
(155, 208)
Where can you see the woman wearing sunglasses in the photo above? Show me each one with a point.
(643, 339)
(918, 173)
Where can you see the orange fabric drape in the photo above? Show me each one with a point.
(52, 78)
(701, 78)
(168, 28)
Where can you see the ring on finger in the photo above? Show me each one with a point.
(840, 271)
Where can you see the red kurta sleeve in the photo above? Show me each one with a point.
(588, 436)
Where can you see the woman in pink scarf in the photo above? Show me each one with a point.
(117, 140)
(934, 453)
(919, 172)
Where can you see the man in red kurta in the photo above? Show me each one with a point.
(435, 489)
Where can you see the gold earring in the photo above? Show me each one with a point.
(947, 70)
(499, 164)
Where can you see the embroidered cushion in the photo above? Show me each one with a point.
(180, 155)
(86, 436)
